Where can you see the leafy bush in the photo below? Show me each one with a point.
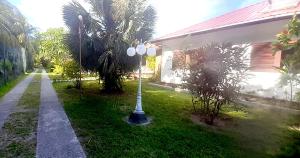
(7, 65)
(292, 149)
(58, 69)
(156, 77)
(151, 62)
(214, 76)
(5, 71)
(72, 71)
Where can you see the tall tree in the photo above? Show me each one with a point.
(15, 36)
(52, 50)
(108, 30)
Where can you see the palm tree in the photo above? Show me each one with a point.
(108, 30)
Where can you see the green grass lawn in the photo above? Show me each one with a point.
(98, 122)
(11, 84)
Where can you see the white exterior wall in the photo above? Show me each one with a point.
(258, 83)
(167, 74)
(266, 84)
(263, 84)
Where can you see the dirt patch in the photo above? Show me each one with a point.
(220, 121)
(18, 136)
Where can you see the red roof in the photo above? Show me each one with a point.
(255, 12)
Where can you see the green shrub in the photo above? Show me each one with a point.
(71, 70)
(151, 62)
(7, 65)
(214, 76)
(292, 149)
(58, 69)
(156, 77)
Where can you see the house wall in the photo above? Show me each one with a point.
(168, 75)
(262, 78)
(157, 65)
(263, 58)
(266, 84)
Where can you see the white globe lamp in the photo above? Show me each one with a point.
(80, 17)
(151, 51)
(141, 49)
(131, 51)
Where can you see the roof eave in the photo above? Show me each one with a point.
(263, 20)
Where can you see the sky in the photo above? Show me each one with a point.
(172, 15)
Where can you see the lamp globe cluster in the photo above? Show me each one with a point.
(141, 49)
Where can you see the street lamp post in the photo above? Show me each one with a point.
(80, 32)
(138, 116)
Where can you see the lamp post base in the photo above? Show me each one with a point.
(138, 119)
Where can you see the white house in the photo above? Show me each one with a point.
(256, 25)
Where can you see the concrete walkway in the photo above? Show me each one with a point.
(55, 136)
(11, 99)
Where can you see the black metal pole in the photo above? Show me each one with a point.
(80, 88)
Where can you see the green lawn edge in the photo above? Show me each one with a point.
(11, 84)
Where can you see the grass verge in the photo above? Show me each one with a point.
(11, 84)
(18, 135)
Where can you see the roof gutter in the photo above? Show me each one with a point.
(254, 22)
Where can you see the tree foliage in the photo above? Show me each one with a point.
(15, 35)
(52, 50)
(72, 71)
(108, 30)
(214, 76)
(288, 43)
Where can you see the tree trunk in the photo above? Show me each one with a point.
(210, 119)
(194, 106)
(291, 90)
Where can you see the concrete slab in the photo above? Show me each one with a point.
(55, 135)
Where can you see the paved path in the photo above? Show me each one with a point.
(55, 135)
(11, 99)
